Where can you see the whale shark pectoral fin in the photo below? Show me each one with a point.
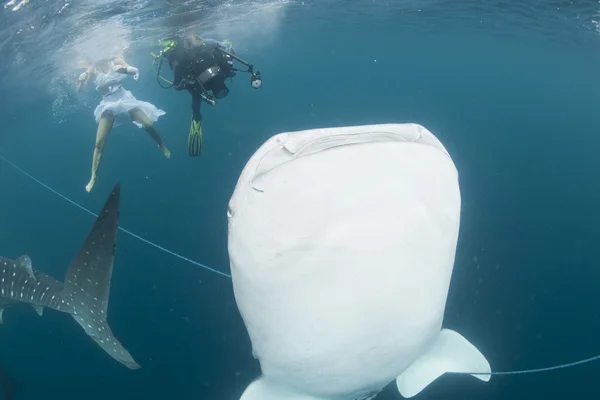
(260, 389)
(39, 310)
(449, 353)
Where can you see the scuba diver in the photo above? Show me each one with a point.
(201, 66)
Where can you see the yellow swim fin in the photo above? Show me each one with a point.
(195, 139)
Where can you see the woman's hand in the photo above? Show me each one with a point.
(134, 71)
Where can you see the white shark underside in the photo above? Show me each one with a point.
(342, 244)
(87, 285)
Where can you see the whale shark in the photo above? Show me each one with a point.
(341, 244)
(85, 292)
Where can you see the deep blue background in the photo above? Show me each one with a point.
(517, 113)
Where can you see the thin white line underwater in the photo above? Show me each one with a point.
(159, 247)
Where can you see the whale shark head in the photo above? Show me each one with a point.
(342, 245)
(85, 293)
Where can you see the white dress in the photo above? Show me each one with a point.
(120, 101)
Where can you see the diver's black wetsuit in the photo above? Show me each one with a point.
(189, 61)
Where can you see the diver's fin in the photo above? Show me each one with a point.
(87, 283)
(260, 389)
(449, 353)
(195, 138)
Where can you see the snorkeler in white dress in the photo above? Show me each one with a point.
(117, 104)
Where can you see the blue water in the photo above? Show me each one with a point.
(511, 91)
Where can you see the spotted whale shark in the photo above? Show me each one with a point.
(84, 293)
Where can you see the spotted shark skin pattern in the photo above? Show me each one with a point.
(85, 292)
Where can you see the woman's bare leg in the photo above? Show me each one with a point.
(104, 126)
(140, 117)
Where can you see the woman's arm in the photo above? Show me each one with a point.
(84, 78)
(124, 68)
